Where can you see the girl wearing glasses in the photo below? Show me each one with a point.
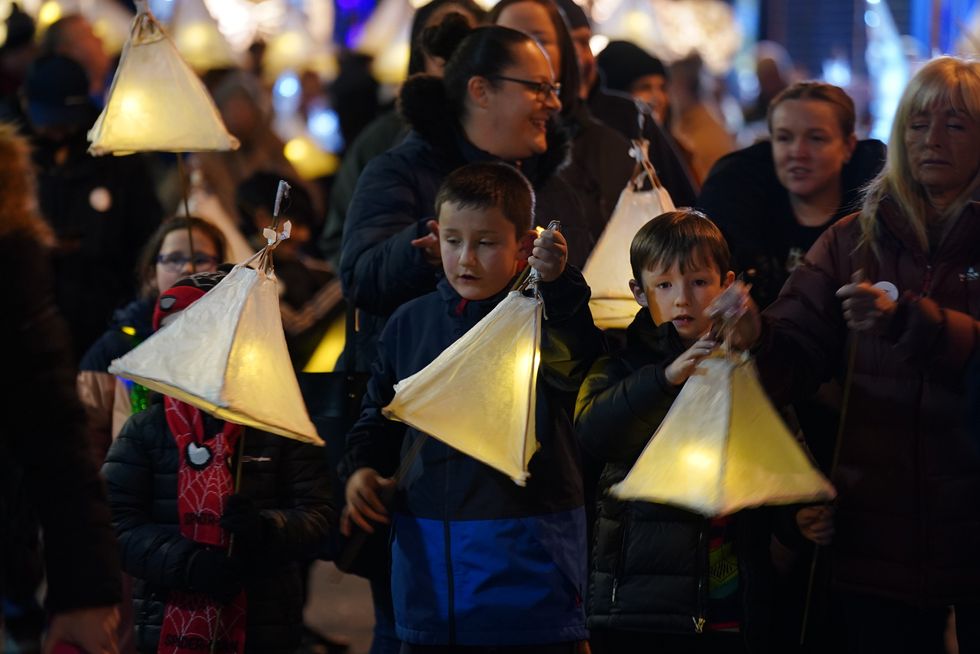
(164, 259)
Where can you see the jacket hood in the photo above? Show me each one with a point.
(961, 237)
(424, 105)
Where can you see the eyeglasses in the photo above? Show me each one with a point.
(541, 89)
(177, 261)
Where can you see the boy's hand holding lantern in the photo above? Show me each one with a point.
(736, 316)
(549, 255)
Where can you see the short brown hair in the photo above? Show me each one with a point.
(686, 237)
(490, 185)
(820, 92)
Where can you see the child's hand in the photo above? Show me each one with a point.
(364, 503)
(429, 244)
(684, 365)
(735, 313)
(549, 255)
(816, 523)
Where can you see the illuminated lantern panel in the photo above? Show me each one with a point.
(226, 354)
(608, 268)
(478, 396)
(156, 102)
(722, 448)
(198, 38)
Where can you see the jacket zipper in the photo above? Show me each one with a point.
(621, 563)
(699, 620)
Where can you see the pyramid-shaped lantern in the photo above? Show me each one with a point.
(722, 448)
(226, 354)
(197, 37)
(478, 396)
(608, 268)
(156, 102)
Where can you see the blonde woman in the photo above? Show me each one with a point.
(899, 282)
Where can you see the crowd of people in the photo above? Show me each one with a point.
(847, 269)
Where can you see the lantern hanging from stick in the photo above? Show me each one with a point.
(478, 396)
(156, 102)
(226, 353)
(723, 447)
(608, 267)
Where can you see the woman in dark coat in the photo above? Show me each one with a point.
(476, 112)
(773, 199)
(600, 164)
(898, 282)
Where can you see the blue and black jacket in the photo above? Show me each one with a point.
(476, 559)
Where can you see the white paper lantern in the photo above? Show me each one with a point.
(226, 354)
(156, 102)
(608, 270)
(722, 447)
(478, 396)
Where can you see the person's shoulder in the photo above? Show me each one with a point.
(423, 310)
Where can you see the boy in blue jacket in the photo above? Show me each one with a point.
(477, 561)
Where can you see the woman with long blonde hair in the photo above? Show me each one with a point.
(889, 298)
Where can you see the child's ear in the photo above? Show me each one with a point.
(525, 245)
(638, 294)
(728, 280)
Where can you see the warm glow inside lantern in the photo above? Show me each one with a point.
(478, 396)
(722, 447)
(197, 37)
(226, 354)
(156, 102)
(608, 268)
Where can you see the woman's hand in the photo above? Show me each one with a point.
(549, 255)
(364, 503)
(816, 523)
(736, 315)
(866, 307)
(429, 244)
(683, 366)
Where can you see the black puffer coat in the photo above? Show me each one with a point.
(650, 561)
(395, 197)
(288, 482)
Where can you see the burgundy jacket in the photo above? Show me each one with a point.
(908, 515)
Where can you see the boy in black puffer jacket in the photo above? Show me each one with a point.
(665, 579)
(279, 516)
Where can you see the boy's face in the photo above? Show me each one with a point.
(680, 298)
(480, 251)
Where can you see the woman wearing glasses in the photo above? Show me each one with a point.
(497, 100)
(164, 259)
(600, 164)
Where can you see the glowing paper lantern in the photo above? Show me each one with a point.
(198, 39)
(226, 354)
(156, 102)
(608, 268)
(492, 372)
(722, 448)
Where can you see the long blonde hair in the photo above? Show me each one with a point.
(948, 81)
